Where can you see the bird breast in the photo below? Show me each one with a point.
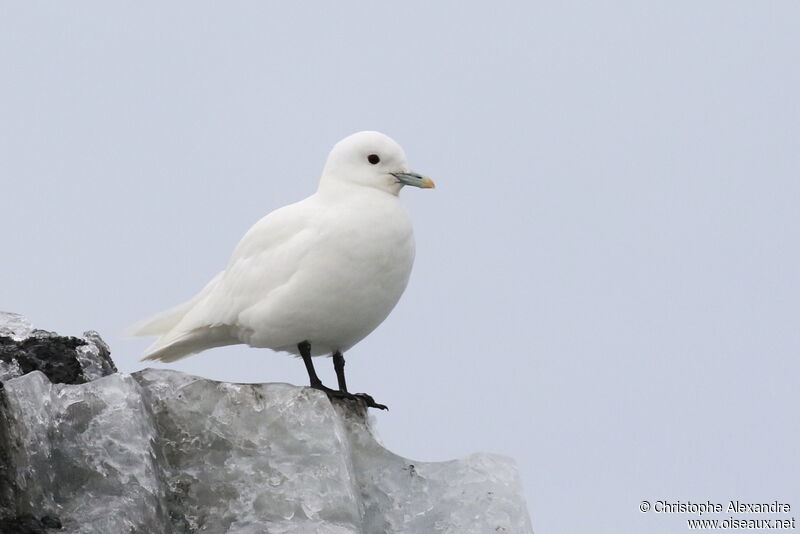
(348, 282)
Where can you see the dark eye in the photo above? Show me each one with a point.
(374, 159)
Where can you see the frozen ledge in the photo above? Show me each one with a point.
(159, 451)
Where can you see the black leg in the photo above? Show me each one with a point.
(338, 362)
(338, 365)
(305, 352)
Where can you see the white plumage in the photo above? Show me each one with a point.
(326, 270)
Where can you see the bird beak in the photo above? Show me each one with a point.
(412, 178)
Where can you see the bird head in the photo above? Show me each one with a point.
(370, 159)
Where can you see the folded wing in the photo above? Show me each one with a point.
(265, 259)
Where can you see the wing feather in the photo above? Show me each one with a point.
(265, 259)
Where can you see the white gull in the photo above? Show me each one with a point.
(312, 278)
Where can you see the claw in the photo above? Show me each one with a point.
(368, 401)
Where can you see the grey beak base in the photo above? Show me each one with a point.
(413, 179)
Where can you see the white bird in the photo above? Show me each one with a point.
(311, 278)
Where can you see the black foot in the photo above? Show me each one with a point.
(368, 401)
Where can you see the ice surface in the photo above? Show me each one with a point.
(162, 452)
(244, 457)
(15, 326)
(83, 453)
(94, 356)
(64, 359)
(475, 495)
(9, 370)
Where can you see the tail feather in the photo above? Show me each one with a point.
(178, 338)
(177, 345)
(163, 322)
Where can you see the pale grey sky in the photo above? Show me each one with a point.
(608, 273)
